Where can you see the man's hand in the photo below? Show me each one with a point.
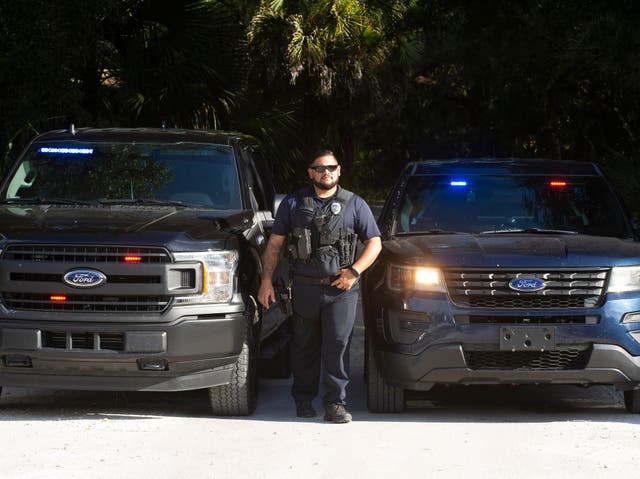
(266, 294)
(345, 280)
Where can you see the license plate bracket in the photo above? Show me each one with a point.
(527, 338)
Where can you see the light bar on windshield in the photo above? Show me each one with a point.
(458, 183)
(66, 150)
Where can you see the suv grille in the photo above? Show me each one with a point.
(522, 319)
(535, 360)
(581, 288)
(83, 254)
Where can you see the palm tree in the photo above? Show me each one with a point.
(330, 50)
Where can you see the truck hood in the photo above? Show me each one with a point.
(513, 250)
(173, 227)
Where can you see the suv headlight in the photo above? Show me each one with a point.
(218, 276)
(415, 278)
(624, 278)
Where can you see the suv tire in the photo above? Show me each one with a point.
(381, 396)
(632, 401)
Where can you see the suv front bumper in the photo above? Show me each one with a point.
(422, 340)
(446, 364)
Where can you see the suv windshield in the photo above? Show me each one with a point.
(494, 204)
(193, 174)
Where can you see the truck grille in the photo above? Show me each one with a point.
(533, 360)
(93, 341)
(139, 279)
(87, 303)
(579, 288)
(84, 254)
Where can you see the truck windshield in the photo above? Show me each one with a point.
(494, 204)
(193, 174)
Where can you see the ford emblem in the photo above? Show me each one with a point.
(526, 285)
(84, 278)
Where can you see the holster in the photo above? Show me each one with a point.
(283, 296)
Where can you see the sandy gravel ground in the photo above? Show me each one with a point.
(480, 432)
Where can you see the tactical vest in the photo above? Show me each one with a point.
(318, 234)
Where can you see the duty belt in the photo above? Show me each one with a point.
(327, 280)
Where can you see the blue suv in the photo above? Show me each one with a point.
(502, 272)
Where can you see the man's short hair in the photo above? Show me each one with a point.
(322, 152)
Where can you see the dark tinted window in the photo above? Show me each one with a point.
(195, 174)
(478, 203)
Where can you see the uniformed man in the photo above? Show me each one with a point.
(320, 224)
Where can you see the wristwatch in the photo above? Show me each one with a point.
(354, 271)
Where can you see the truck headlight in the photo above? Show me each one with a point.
(415, 278)
(218, 276)
(624, 278)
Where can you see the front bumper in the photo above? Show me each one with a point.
(446, 364)
(423, 339)
(191, 352)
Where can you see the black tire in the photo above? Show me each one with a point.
(240, 396)
(632, 401)
(381, 396)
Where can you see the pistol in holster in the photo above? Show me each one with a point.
(284, 297)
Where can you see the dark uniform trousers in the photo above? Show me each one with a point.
(323, 321)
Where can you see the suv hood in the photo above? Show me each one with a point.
(151, 225)
(513, 250)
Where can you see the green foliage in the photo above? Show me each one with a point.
(329, 52)
(380, 82)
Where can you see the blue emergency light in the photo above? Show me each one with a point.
(65, 150)
(458, 183)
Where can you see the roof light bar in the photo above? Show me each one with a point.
(458, 183)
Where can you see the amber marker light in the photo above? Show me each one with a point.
(58, 298)
(557, 183)
(205, 279)
(132, 259)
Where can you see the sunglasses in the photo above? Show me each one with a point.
(323, 168)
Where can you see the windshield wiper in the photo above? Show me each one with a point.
(142, 201)
(46, 201)
(530, 231)
(434, 231)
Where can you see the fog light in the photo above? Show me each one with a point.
(407, 327)
(411, 325)
(635, 335)
(17, 361)
(153, 364)
(631, 318)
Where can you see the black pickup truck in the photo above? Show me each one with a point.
(130, 260)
